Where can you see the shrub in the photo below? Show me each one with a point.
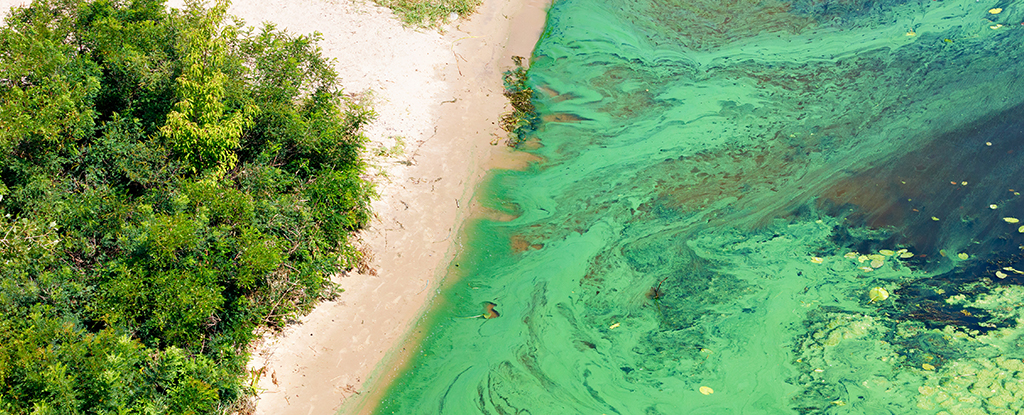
(169, 181)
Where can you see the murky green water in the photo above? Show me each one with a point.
(723, 184)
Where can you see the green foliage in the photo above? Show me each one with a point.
(430, 13)
(198, 128)
(46, 88)
(523, 118)
(169, 181)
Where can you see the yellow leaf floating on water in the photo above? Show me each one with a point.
(878, 294)
(996, 10)
(1011, 220)
(963, 256)
(887, 252)
(993, 206)
(935, 218)
(906, 255)
(852, 255)
(926, 366)
(613, 326)
(817, 260)
(1000, 275)
(706, 390)
(877, 263)
(876, 257)
(1021, 229)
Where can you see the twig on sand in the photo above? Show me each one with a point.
(457, 56)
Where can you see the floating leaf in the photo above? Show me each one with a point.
(852, 255)
(489, 311)
(876, 257)
(887, 252)
(935, 218)
(1011, 220)
(877, 263)
(706, 390)
(926, 366)
(963, 256)
(1000, 275)
(817, 260)
(906, 255)
(613, 326)
(1021, 229)
(878, 294)
(996, 10)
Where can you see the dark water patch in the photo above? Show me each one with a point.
(942, 193)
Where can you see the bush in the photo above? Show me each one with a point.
(169, 181)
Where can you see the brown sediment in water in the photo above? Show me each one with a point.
(518, 160)
(495, 215)
(520, 244)
(563, 117)
(554, 95)
(532, 143)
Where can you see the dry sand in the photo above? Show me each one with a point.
(440, 94)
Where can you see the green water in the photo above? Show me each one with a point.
(722, 185)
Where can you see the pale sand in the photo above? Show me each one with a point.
(442, 94)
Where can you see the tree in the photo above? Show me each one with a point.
(198, 128)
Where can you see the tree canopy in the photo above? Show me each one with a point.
(170, 180)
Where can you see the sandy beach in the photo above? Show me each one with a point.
(440, 94)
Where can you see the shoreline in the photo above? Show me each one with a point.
(507, 28)
(443, 95)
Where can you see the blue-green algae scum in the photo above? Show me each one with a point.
(749, 207)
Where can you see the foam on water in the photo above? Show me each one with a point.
(722, 185)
